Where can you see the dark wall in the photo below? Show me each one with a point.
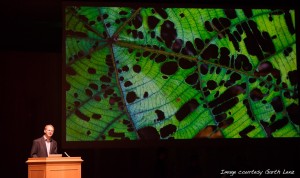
(30, 97)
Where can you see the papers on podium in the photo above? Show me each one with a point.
(55, 155)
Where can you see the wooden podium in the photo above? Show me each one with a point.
(54, 167)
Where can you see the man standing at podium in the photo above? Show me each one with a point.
(44, 145)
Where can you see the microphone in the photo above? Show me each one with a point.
(67, 154)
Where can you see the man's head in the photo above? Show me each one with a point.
(49, 130)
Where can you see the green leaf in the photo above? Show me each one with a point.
(180, 73)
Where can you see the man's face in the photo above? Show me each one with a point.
(49, 131)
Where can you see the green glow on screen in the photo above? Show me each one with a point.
(179, 73)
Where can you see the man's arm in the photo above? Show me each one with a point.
(54, 147)
(34, 149)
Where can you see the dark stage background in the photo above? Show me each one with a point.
(30, 79)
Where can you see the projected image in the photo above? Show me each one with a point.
(179, 73)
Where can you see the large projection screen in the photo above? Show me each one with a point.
(134, 74)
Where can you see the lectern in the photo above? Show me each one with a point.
(54, 167)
